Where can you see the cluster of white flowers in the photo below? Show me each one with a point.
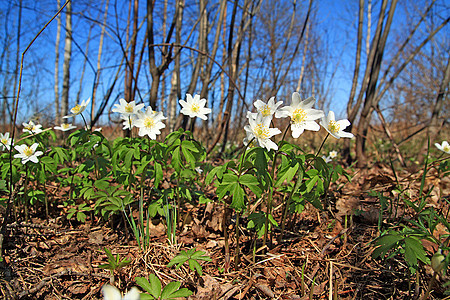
(150, 122)
(303, 117)
(26, 153)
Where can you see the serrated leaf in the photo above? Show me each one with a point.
(287, 174)
(153, 286)
(210, 177)
(181, 293)
(170, 289)
(230, 178)
(311, 183)
(190, 159)
(158, 174)
(238, 201)
(195, 266)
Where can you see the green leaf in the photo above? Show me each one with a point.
(230, 178)
(181, 293)
(195, 266)
(416, 247)
(386, 243)
(179, 260)
(190, 158)
(310, 183)
(210, 177)
(261, 160)
(238, 194)
(101, 184)
(287, 174)
(169, 289)
(189, 145)
(158, 174)
(252, 183)
(176, 159)
(153, 287)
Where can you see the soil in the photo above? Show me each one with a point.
(319, 256)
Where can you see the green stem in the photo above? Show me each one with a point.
(85, 123)
(25, 193)
(271, 187)
(323, 142)
(237, 250)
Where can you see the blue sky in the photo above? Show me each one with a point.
(336, 21)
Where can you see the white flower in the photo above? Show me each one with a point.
(259, 130)
(268, 109)
(127, 108)
(150, 123)
(32, 128)
(199, 170)
(302, 115)
(194, 107)
(444, 147)
(129, 121)
(326, 159)
(333, 154)
(78, 109)
(65, 127)
(335, 128)
(27, 153)
(5, 141)
(112, 293)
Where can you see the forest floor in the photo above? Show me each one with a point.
(319, 256)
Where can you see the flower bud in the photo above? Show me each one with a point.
(438, 261)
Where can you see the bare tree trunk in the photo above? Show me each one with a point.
(173, 97)
(99, 57)
(83, 69)
(435, 121)
(233, 66)
(369, 26)
(66, 65)
(346, 150)
(163, 81)
(202, 40)
(175, 91)
(305, 50)
(369, 104)
(56, 86)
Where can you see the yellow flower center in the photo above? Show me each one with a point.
(265, 110)
(65, 126)
(333, 126)
(4, 141)
(129, 108)
(28, 151)
(446, 148)
(76, 109)
(195, 108)
(261, 131)
(149, 122)
(298, 116)
(29, 127)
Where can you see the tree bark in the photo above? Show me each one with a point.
(369, 102)
(66, 65)
(56, 84)
(436, 122)
(346, 151)
(99, 56)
